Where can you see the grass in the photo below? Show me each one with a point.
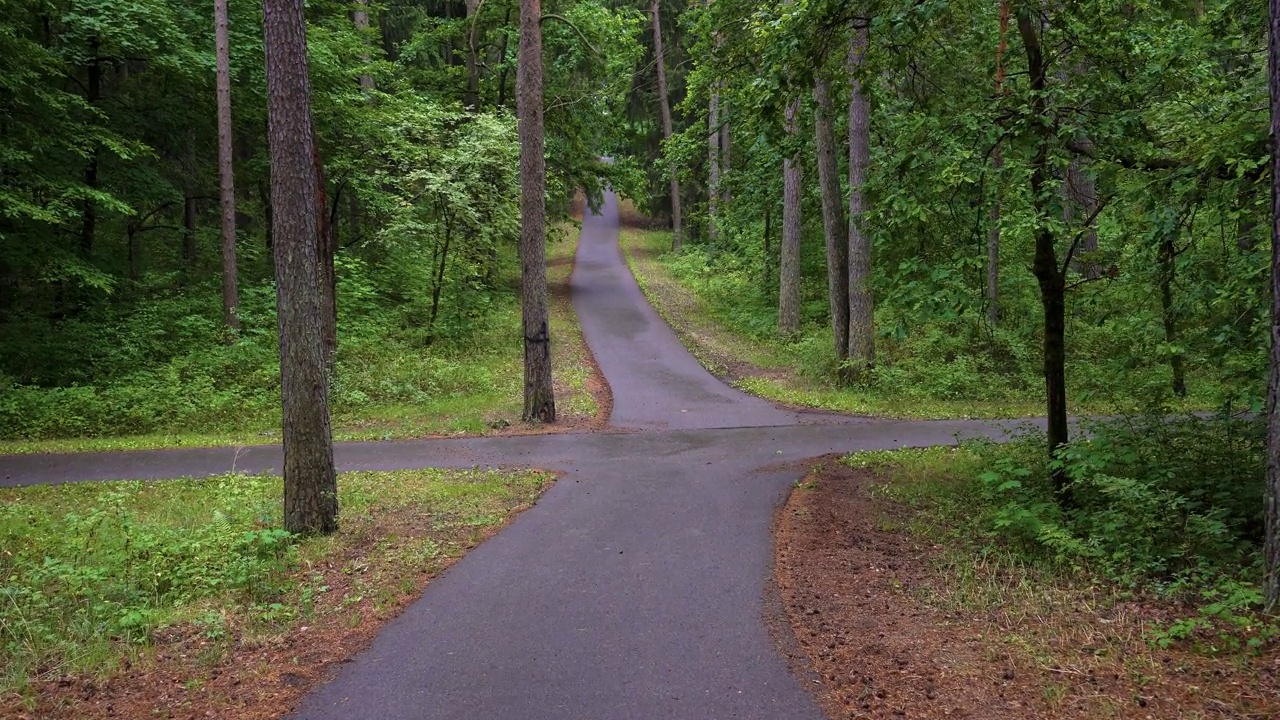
(194, 576)
(466, 391)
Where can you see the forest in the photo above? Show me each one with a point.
(934, 209)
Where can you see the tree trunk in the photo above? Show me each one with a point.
(471, 98)
(993, 242)
(360, 16)
(310, 486)
(789, 263)
(835, 231)
(997, 166)
(725, 150)
(1051, 277)
(226, 171)
(539, 395)
(1271, 549)
(502, 60)
(862, 344)
(1081, 202)
(664, 103)
(713, 161)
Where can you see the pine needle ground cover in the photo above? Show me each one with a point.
(185, 596)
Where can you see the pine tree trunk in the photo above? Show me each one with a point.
(789, 263)
(713, 161)
(664, 102)
(360, 16)
(835, 231)
(725, 150)
(539, 396)
(1271, 506)
(862, 347)
(310, 485)
(226, 172)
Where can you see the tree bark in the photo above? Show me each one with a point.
(997, 166)
(664, 103)
(789, 263)
(725, 150)
(1081, 202)
(226, 171)
(1271, 502)
(539, 395)
(713, 160)
(310, 485)
(1050, 276)
(360, 16)
(835, 231)
(862, 346)
(471, 98)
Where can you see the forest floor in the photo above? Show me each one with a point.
(888, 625)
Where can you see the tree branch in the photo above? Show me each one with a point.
(567, 21)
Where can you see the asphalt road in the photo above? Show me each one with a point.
(635, 588)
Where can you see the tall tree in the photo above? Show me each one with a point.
(539, 395)
(1050, 276)
(664, 103)
(226, 173)
(789, 263)
(713, 160)
(310, 485)
(835, 231)
(997, 166)
(360, 16)
(862, 347)
(1271, 548)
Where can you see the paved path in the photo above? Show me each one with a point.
(634, 588)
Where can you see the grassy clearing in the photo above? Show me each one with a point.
(110, 583)
(388, 390)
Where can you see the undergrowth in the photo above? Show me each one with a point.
(93, 573)
(1167, 509)
(933, 360)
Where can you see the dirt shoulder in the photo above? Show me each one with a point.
(881, 630)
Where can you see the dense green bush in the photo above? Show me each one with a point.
(1165, 504)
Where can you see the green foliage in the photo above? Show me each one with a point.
(111, 564)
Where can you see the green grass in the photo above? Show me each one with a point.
(389, 390)
(97, 574)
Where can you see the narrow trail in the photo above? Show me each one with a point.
(635, 588)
